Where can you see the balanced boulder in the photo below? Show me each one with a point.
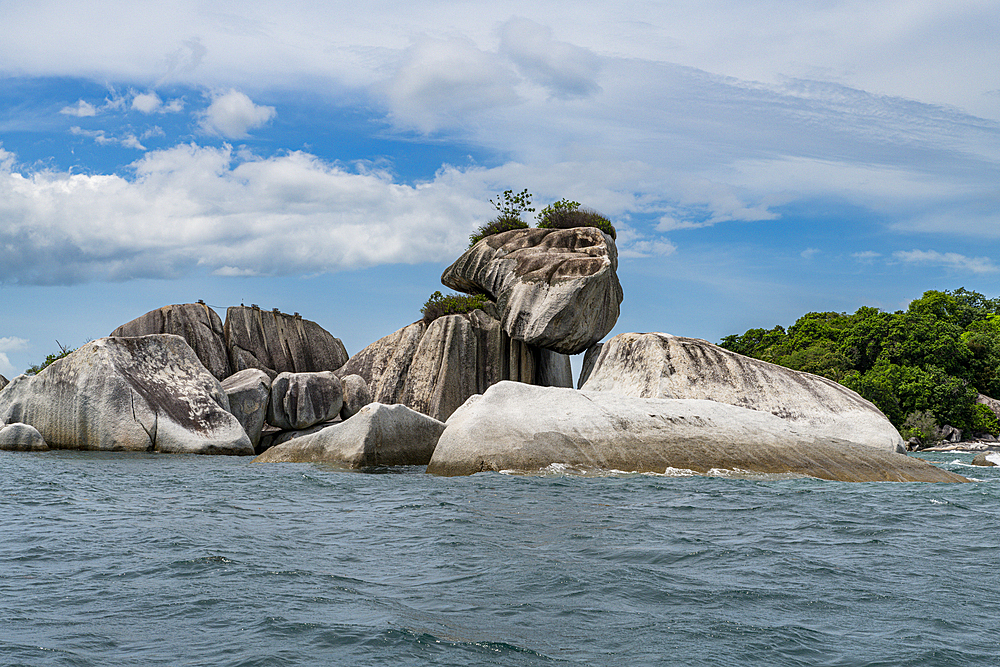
(280, 343)
(657, 365)
(196, 323)
(149, 393)
(301, 400)
(554, 288)
(519, 427)
(249, 393)
(378, 435)
(19, 437)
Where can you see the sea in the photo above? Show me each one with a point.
(146, 559)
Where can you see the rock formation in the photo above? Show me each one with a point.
(196, 323)
(279, 343)
(988, 459)
(434, 368)
(19, 437)
(657, 365)
(3, 382)
(379, 435)
(555, 288)
(301, 400)
(520, 427)
(249, 393)
(150, 393)
(356, 395)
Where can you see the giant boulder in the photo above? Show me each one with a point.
(249, 394)
(657, 365)
(147, 394)
(301, 400)
(555, 288)
(518, 427)
(433, 368)
(196, 323)
(19, 437)
(378, 435)
(280, 343)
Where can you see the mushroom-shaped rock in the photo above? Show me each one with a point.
(249, 393)
(301, 400)
(356, 395)
(196, 323)
(19, 437)
(555, 288)
(378, 435)
(280, 343)
(658, 365)
(520, 427)
(149, 393)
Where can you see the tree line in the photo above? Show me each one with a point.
(935, 357)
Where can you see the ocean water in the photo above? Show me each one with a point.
(128, 559)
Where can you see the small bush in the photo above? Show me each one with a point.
(565, 214)
(495, 226)
(923, 426)
(510, 205)
(984, 420)
(63, 351)
(439, 305)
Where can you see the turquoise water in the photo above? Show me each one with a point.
(122, 559)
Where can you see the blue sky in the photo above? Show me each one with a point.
(759, 161)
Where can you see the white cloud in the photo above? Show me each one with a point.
(809, 253)
(147, 102)
(9, 344)
(81, 109)
(565, 70)
(232, 114)
(102, 138)
(950, 260)
(193, 206)
(867, 256)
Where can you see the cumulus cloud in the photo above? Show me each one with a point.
(950, 260)
(232, 115)
(192, 207)
(128, 140)
(567, 71)
(81, 109)
(150, 102)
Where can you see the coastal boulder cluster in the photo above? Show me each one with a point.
(489, 389)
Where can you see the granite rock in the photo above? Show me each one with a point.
(249, 393)
(300, 400)
(19, 437)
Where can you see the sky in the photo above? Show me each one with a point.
(759, 160)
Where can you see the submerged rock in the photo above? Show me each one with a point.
(520, 427)
(196, 323)
(657, 365)
(555, 288)
(434, 368)
(279, 343)
(301, 400)
(19, 437)
(378, 435)
(149, 393)
(249, 393)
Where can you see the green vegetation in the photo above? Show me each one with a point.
(510, 206)
(566, 214)
(63, 351)
(935, 357)
(495, 226)
(452, 304)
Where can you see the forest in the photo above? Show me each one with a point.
(930, 361)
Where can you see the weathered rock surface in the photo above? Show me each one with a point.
(19, 437)
(249, 393)
(520, 427)
(987, 459)
(657, 365)
(356, 395)
(3, 382)
(589, 360)
(279, 343)
(555, 288)
(379, 435)
(434, 368)
(196, 323)
(150, 393)
(300, 400)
